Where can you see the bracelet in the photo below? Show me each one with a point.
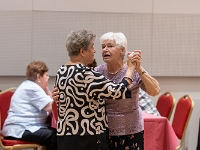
(143, 72)
(128, 79)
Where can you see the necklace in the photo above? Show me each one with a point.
(113, 72)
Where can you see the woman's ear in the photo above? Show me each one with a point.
(38, 78)
(122, 50)
(82, 52)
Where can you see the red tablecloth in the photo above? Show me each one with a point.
(158, 133)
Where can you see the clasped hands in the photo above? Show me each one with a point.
(134, 59)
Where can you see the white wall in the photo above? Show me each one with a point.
(177, 85)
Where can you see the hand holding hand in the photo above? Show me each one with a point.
(130, 61)
(137, 58)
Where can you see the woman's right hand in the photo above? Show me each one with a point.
(55, 94)
(131, 62)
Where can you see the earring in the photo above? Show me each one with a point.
(38, 81)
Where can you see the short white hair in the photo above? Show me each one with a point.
(118, 37)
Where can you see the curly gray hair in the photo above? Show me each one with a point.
(78, 39)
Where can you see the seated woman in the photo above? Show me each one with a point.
(29, 109)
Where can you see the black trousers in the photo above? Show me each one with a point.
(132, 142)
(86, 142)
(44, 136)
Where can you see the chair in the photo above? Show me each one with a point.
(5, 97)
(165, 104)
(181, 118)
(55, 114)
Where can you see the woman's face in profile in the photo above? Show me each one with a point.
(43, 80)
(89, 57)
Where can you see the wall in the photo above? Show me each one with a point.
(167, 16)
(168, 40)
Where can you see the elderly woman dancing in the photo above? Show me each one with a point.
(125, 120)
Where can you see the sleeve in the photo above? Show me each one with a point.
(39, 98)
(99, 87)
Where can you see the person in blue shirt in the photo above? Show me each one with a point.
(29, 109)
(146, 104)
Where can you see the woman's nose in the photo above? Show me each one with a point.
(105, 48)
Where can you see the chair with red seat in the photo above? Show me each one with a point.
(183, 111)
(55, 114)
(5, 97)
(165, 104)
